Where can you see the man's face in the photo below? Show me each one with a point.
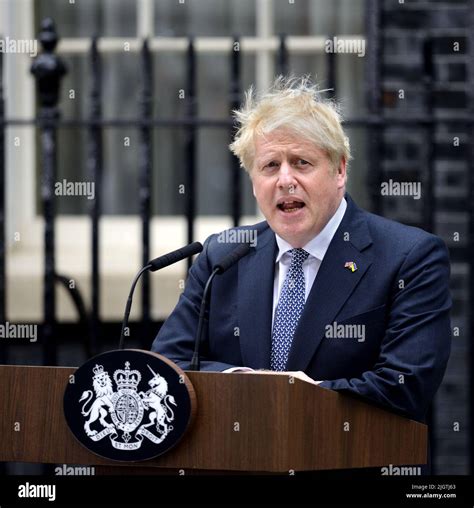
(295, 185)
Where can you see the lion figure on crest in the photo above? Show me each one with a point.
(100, 407)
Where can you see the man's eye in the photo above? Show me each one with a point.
(302, 162)
(271, 164)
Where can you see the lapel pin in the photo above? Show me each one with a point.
(351, 266)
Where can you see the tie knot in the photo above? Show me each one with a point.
(298, 257)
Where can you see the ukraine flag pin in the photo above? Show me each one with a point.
(351, 266)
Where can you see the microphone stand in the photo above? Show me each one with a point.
(129, 304)
(195, 362)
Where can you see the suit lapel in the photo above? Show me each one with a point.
(333, 285)
(255, 301)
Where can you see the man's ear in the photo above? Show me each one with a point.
(341, 173)
(253, 190)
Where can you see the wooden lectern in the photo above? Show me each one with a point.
(244, 423)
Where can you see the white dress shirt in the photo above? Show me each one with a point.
(316, 248)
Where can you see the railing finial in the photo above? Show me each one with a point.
(47, 68)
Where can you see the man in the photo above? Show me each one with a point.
(330, 292)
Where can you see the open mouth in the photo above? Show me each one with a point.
(290, 206)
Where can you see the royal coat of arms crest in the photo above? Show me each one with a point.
(126, 415)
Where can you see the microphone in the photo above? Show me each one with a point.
(175, 256)
(219, 268)
(153, 266)
(232, 258)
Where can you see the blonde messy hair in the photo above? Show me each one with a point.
(294, 104)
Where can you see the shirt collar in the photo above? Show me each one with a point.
(318, 246)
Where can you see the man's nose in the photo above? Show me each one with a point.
(286, 176)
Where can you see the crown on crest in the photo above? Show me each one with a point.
(98, 370)
(127, 378)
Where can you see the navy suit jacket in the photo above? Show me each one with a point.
(399, 292)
